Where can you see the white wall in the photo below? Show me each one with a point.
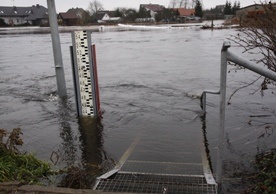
(14, 20)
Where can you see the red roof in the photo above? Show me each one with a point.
(186, 12)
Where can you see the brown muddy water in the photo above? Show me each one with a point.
(150, 83)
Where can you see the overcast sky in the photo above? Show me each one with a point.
(64, 5)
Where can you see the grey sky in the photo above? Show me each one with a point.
(64, 5)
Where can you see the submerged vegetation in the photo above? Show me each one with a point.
(22, 167)
(15, 166)
(27, 169)
(77, 177)
(264, 179)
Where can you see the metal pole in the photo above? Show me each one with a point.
(223, 74)
(252, 66)
(61, 85)
(203, 98)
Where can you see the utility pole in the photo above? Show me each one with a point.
(61, 85)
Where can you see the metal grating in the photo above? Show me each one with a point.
(152, 183)
(163, 167)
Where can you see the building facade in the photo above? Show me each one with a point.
(34, 15)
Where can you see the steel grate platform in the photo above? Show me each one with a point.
(162, 167)
(133, 174)
(155, 183)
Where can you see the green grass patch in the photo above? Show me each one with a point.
(15, 166)
(22, 167)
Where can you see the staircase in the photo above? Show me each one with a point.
(145, 177)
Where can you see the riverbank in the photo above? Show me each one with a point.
(46, 30)
(111, 28)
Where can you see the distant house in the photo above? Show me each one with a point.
(186, 12)
(78, 11)
(214, 13)
(72, 17)
(220, 8)
(68, 19)
(152, 8)
(248, 12)
(34, 15)
(105, 17)
(115, 19)
(102, 17)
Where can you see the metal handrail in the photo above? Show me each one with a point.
(203, 98)
(227, 55)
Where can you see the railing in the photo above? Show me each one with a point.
(203, 98)
(227, 55)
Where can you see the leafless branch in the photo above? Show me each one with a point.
(258, 36)
(245, 86)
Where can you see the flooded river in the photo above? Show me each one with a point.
(150, 84)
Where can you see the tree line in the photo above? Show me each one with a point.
(231, 10)
(220, 11)
(187, 4)
(168, 14)
(130, 14)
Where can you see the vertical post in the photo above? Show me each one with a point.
(61, 86)
(96, 81)
(204, 102)
(75, 80)
(223, 74)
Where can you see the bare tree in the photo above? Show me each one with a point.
(173, 3)
(193, 3)
(94, 7)
(181, 3)
(186, 2)
(258, 36)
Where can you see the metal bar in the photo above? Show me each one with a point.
(162, 174)
(61, 84)
(92, 74)
(223, 74)
(250, 65)
(203, 98)
(76, 76)
(96, 81)
(128, 152)
(227, 55)
(75, 81)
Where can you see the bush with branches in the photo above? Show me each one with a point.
(258, 36)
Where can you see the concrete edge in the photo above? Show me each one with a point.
(17, 187)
